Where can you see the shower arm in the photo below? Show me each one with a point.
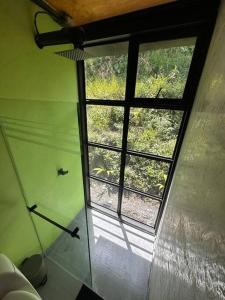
(75, 36)
(73, 233)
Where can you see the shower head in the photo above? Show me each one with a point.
(75, 54)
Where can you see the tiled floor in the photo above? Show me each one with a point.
(120, 257)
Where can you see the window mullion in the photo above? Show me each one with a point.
(150, 156)
(129, 95)
(104, 146)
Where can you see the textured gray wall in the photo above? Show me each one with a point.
(189, 258)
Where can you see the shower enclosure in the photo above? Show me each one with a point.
(41, 139)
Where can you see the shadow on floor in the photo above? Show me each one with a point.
(121, 257)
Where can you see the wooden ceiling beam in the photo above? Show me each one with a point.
(87, 11)
(180, 14)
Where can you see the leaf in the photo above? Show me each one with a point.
(99, 170)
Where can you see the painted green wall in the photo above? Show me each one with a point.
(17, 236)
(38, 117)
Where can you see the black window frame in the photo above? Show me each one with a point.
(202, 32)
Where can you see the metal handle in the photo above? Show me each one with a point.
(72, 233)
(62, 172)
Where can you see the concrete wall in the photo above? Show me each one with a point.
(189, 258)
(38, 117)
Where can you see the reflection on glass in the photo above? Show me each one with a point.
(163, 68)
(153, 130)
(146, 175)
(104, 163)
(104, 194)
(105, 74)
(140, 208)
(105, 124)
(70, 253)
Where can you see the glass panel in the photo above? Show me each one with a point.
(154, 130)
(104, 194)
(146, 175)
(163, 68)
(105, 124)
(104, 163)
(38, 155)
(140, 208)
(106, 73)
(18, 237)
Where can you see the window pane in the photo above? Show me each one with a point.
(105, 124)
(153, 130)
(106, 73)
(104, 163)
(140, 208)
(104, 194)
(163, 68)
(146, 175)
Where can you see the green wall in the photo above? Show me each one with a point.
(17, 236)
(39, 120)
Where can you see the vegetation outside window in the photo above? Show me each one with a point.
(104, 163)
(154, 130)
(105, 124)
(106, 73)
(163, 68)
(132, 144)
(146, 175)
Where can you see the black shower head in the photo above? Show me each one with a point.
(75, 54)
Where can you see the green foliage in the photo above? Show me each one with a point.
(104, 164)
(145, 175)
(106, 89)
(161, 73)
(105, 125)
(153, 131)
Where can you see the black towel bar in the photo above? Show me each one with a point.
(72, 233)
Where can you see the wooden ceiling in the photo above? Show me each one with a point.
(86, 11)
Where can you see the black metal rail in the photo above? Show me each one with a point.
(73, 233)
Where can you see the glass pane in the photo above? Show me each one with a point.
(163, 68)
(105, 124)
(104, 163)
(146, 175)
(104, 194)
(154, 130)
(140, 208)
(37, 157)
(106, 73)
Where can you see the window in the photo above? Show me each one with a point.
(146, 208)
(105, 124)
(136, 107)
(104, 163)
(163, 68)
(104, 194)
(146, 175)
(106, 73)
(153, 131)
